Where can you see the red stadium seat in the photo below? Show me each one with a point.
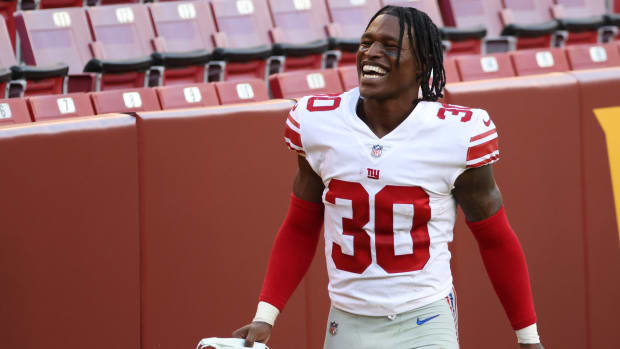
(187, 96)
(13, 111)
(33, 80)
(122, 32)
(46, 4)
(63, 35)
(463, 40)
(125, 101)
(349, 20)
(452, 73)
(531, 62)
(230, 92)
(473, 13)
(299, 33)
(7, 8)
(184, 27)
(348, 77)
(303, 83)
(593, 56)
(484, 67)
(242, 40)
(530, 21)
(430, 7)
(56, 107)
(584, 20)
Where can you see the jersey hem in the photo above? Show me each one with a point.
(404, 309)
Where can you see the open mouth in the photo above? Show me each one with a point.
(372, 72)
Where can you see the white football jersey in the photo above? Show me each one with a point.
(389, 209)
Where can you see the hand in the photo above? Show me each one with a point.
(257, 331)
(531, 346)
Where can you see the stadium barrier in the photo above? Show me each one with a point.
(155, 231)
(69, 248)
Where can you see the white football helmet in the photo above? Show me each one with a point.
(227, 343)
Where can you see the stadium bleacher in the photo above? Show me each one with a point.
(163, 84)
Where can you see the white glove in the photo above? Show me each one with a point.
(227, 343)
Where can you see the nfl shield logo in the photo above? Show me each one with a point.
(333, 328)
(376, 151)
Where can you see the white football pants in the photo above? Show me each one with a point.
(433, 326)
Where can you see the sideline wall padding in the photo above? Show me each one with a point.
(215, 186)
(538, 121)
(599, 89)
(69, 247)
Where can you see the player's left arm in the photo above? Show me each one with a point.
(481, 201)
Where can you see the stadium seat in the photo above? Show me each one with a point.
(348, 77)
(63, 35)
(530, 22)
(452, 73)
(13, 111)
(57, 107)
(230, 92)
(46, 4)
(7, 8)
(463, 40)
(593, 56)
(242, 41)
(29, 80)
(348, 22)
(476, 13)
(484, 67)
(539, 61)
(125, 101)
(123, 33)
(187, 96)
(584, 20)
(299, 33)
(183, 28)
(303, 83)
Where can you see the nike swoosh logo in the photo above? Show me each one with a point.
(422, 322)
(487, 123)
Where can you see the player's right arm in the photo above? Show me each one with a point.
(291, 254)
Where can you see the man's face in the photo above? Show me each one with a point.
(379, 76)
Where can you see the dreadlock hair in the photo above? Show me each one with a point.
(428, 51)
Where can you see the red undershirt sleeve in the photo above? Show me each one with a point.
(505, 264)
(292, 252)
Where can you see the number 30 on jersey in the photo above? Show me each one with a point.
(384, 227)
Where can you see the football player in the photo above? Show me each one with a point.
(383, 171)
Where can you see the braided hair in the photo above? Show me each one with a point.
(428, 50)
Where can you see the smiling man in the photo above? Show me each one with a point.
(383, 171)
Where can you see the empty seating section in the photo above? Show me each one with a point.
(348, 22)
(299, 32)
(7, 8)
(125, 101)
(484, 67)
(60, 106)
(122, 33)
(13, 111)
(242, 40)
(593, 56)
(299, 84)
(531, 62)
(229, 92)
(530, 21)
(58, 35)
(187, 96)
(214, 52)
(184, 32)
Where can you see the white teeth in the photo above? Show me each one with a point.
(372, 76)
(374, 68)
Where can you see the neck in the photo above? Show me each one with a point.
(383, 116)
